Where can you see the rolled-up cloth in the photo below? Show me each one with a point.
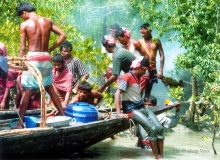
(28, 81)
(3, 67)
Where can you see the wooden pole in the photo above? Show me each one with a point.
(36, 73)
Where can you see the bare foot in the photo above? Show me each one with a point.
(53, 113)
(161, 158)
(113, 137)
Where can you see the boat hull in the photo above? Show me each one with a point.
(61, 141)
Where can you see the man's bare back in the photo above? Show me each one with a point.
(37, 31)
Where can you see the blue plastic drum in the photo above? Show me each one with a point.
(82, 112)
(30, 121)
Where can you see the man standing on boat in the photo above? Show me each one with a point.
(37, 31)
(152, 46)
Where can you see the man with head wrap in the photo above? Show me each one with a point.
(133, 106)
(121, 60)
(124, 37)
(152, 45)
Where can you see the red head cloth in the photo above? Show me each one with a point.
(127, 32)
(110, 39)
(3, 48)
(137, 64)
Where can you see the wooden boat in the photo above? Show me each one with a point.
(54, 142)
(9, 114)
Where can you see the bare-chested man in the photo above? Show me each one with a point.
(37, 31)
(152, 46)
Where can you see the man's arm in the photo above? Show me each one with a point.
(108, 83)
(162, 58)
(141, 50)
(60, 33)
(23, 36)
(75, 99)
(3, 102)
(85, 77)
(97, 96)
(118, 103)
(81, 70)
(66, 101)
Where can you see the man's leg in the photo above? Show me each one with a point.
(160, 144)
(148, 89)
(154, 149)
(26, 95)
(55, 99)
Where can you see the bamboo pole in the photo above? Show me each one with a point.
(36, 73)
(22, 64)
(24, 130)
(17, 63)
(16, 58)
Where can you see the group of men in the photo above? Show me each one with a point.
(136, 58)
(36, 30)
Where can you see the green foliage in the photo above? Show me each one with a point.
(195, 24)
(61, 13)
(176, 92)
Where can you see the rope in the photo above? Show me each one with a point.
(132, 133)
(15, 107)
(36, 73)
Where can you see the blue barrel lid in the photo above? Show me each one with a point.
(81, 107)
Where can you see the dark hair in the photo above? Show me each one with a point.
(57, 58)
(24, 6)
(85, 86)
(115, 26)
(145, 62)
(151, 99)
(119, 32)
(106, 44)
(66, 44)
(145, 26)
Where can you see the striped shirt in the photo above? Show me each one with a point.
(122, 60)
(77, 68)
(131, 97)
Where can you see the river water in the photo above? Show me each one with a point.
(181, 144)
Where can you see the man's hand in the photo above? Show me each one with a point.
(160, 74)
(101, 88)
(123, 115)
(53, 113)
(2, 105)
(178, 106)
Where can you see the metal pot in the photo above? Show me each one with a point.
(57, 121)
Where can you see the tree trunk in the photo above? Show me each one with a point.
(190, 113)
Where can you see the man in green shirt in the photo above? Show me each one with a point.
(122, 60)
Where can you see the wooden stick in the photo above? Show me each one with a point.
(36, 73)
(16, 58)
(24, 130)
(13, 66)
